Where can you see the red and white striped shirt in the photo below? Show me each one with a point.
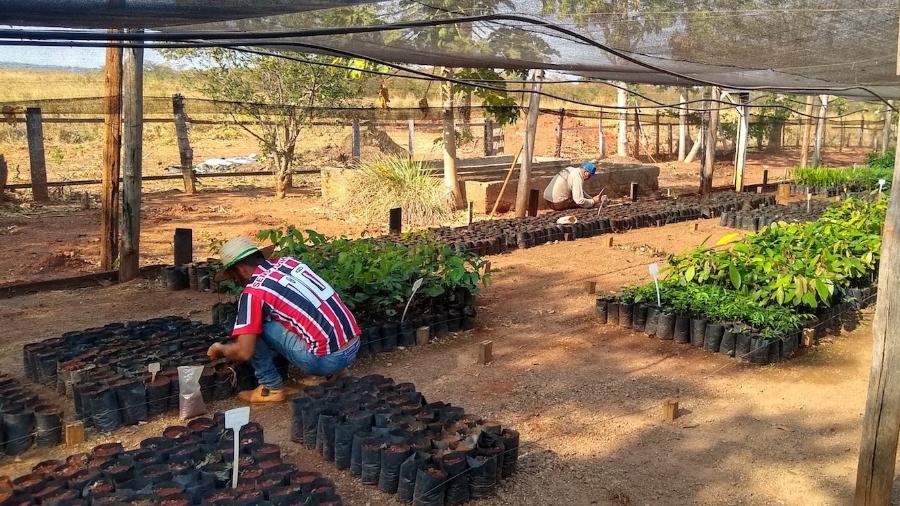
(290, 293)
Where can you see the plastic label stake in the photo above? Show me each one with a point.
(234, 420)
(415, 288)
(881, 183)
(654, 272)
(808, 202)
(153, 368)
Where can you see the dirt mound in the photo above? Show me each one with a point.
(65, 260)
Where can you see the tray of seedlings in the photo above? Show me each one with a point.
(26, 420)
(497, 236)
(187, 465)
(754, 300)
(105, 370)
(391, 438)
(761, 217)
(834, 181)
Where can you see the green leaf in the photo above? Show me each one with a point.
(824, 289)
(735, 277)
(728, 238)
(689, 273)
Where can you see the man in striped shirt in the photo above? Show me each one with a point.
(285, 308)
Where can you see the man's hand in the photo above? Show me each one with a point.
(216, 350)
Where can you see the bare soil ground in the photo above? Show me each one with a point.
(586, 398)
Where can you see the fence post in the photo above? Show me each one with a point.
(35, 131)
(395, 220)
(185, 153)
(112, 159)
(636, 149)
(841, 140)
(356, 149)
(862, 132)
(601, 145)
(411, 130)
(559, 132)
(670, 140)
(183, 242)
(656, 124)
(4, 174)
(488, 137)
(132, 164)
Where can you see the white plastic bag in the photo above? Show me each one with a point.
(190, 398)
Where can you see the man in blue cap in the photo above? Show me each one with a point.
(566, 189)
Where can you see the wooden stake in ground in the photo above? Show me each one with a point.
(4, 174)
(682, 125)
(185, 153)
(112, 145)
(506, 181)
(622, 102)
(485, 352)
(530, 133)
(670, 410)
(35, 130)
(820, 131)
(807, 132)
(886, 132)
(133, 115)
(741, 141)
(881, 424)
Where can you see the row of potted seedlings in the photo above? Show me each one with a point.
(187, 465)
(735, 339)
(388, 435)
(756, 219)
(105, 370)
(26, 420)
(498, 236)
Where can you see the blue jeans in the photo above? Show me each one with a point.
(277, 339)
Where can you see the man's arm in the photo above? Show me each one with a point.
(241, 349)
(578, 195)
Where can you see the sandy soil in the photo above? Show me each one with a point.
(586, 398)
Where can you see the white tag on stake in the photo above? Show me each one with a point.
(881, 183)
(808, 202)
(235, 419)
(415, 288)
(654, 272)
(153, 368)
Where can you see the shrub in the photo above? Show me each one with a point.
(391, 182)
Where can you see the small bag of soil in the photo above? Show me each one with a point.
(392, 457)
(729, 341)
(190, 397)
(601, 308)
(343, 444)
(698, 332)
(48, 421)
(371, 462)
(105, 412)
(325, 434)
(457, 488)
(713, 339)
(132, 398)
(639, 317)
(158, 392)
(510, 440)
(359, 438)
(430, 485)
(665, 327)
(652, 321)
(625, 315)
(682, 332)
(408, 471)
(482, 476)
(311, 423)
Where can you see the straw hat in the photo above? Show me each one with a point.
(236, 250)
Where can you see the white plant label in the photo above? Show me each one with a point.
(153, 368)
(881, 183)
(415, 288)
(808, 202)
(654, 272)
(234, 420)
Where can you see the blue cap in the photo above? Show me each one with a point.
(589, 167)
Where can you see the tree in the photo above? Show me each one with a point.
(280, 97)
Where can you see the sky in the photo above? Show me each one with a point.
(86, 58)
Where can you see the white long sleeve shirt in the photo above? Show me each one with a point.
(567, 184)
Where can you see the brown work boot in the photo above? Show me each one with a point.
(261, 394)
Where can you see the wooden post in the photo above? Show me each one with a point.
(411, 140)
(682, 125)
(633, 191)
(534, 198)
(132, 166)
(656, 125)
(741, 141)
(709, 142)
(485, 352)
(765, 177)
(636, 132)
(183, 246)
(590, 287)
(74, 434)
(807, 132)
(422, 335)
(670, 410)
(530, 132)
(862, 132)
(450, 177)
(35, 131)
(185, 153)
(112, 146)
(881, 423)
(395, 220)
(820, 131)
(669, 148)
(471, 212)
(601, 145)
(886, 132)
(488, 137)
(4, 175)
(356, 146)
(841, 140)
(559, 132)
(622, 102)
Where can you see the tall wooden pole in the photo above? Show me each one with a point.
(709, 142)
(601, 145)
(185, 153)
(109, 198)
(622, 139)
(34, 129)
(807, 132)
(451, 182)
(741, 142)
(886, 133)
(531, 120)
(881, 423)
(820, 131)
(682, 125)
(133, 100)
